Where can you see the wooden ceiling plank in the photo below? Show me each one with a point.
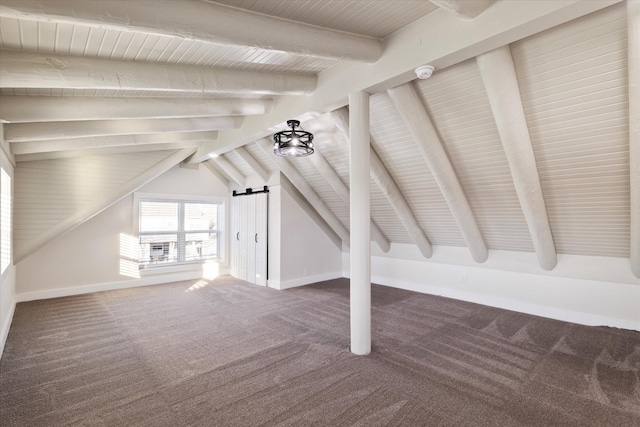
(25, 109)
(203, 21)
(19, 132)
(256, 167)
(230, 170)
(102, 203)
(333, 179)
(306, 190)
(426, 136)
(389, 189)
(464, 9)
(500, 80)
(47, 146)
(501, 24)
(21, 69)
(213, 168)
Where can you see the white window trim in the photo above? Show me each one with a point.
(8, 173)
(222, 229)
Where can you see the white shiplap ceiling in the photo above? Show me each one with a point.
(572, 78)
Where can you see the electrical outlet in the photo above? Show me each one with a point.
(463, 277)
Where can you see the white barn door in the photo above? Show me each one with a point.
(261, 239)
(249, 238)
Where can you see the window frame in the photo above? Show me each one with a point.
(9, 238)
(181, 232)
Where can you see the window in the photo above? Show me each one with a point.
(5, 220)
(176, 232)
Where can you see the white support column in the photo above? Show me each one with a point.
(424, 132)
(88, 143)
(360, 287)
(20, 69)
(329, 174)
(103, 202)
(19, 132)
(383, 178)
(24, 109)
(231, 171)
(306, 190)
(246, 157)
(501, 83)
(633, 24)
(203, 21)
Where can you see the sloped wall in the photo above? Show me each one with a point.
(92, 257)
(48, 191)
(588, 290)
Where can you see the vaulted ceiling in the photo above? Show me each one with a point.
(521, 140)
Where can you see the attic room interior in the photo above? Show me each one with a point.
(340, 212)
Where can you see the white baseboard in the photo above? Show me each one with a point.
(301, 281)
(509, 304)
(100, 287)
(4, 332)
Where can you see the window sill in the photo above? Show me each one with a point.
(170, 269)
(179, 268)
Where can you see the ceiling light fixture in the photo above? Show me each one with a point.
(293, 143)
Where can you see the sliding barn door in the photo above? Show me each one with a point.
(261, 239)
(235, 237)
(249, 238)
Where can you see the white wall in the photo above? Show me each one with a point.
(8, 278)
(582, 289)
(300, 252)
(89, 258)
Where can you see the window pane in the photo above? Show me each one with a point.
(5, 220)
(158, 249)
(200, 216)
(201, 246)
(158, 216)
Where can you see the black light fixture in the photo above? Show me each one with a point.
(293, 143)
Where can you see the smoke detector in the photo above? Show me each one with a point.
(425, 71)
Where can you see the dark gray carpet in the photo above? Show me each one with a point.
(228, 353)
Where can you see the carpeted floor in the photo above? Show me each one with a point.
(228, 353)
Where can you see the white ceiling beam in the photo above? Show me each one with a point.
(19, 69)
(230, 170)
(464, 9)
(406, 49)
(256, 167)
(213, 168)
(203, 21)
(387, 185)
(329, 174)
(419, 123)
(19, 132)
(24, 109)
(69, 154)
(292, 174)
(99, 205)
(501, 83)
(633, 26)
(46, 146)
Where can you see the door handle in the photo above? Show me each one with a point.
(238, 235)
(256, 237)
